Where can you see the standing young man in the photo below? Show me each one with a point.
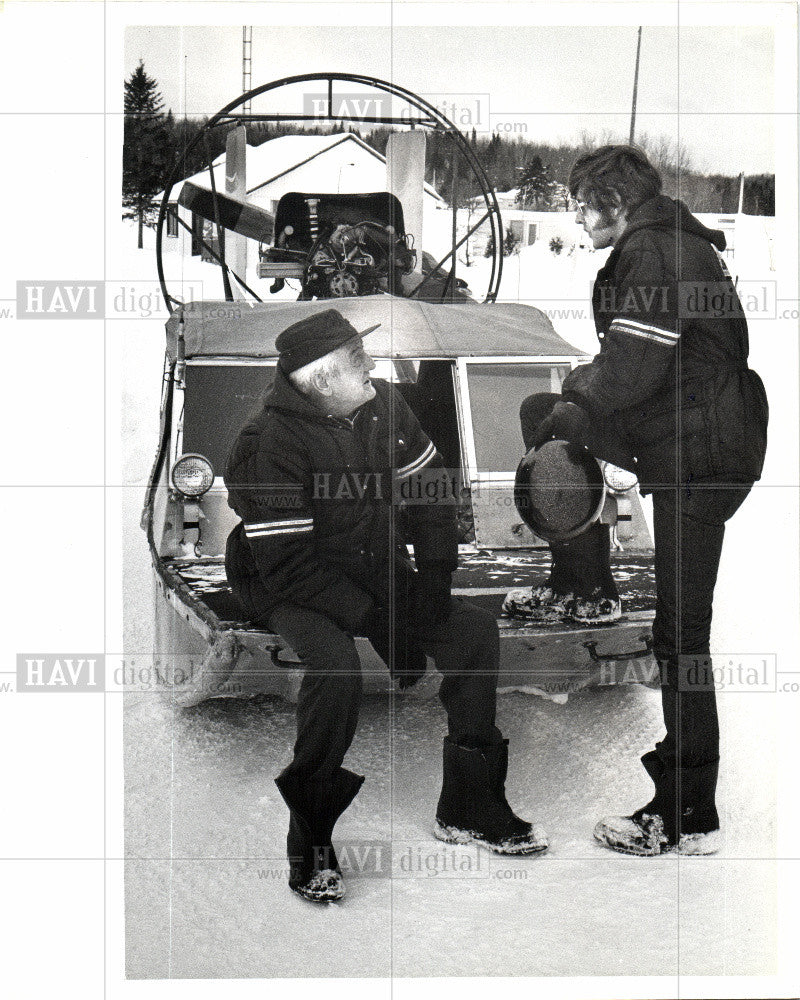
(320, 557)
(671, 387)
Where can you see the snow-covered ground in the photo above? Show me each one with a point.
(200, 791)
(205, 896)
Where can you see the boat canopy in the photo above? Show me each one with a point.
(408, 328)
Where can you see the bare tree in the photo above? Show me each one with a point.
(666, 153)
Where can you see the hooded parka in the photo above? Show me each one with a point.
(327, 506)
(671, 378)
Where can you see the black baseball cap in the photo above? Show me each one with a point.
(314, 337)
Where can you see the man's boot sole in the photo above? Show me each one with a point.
(688, 847)
(319, 895)
(699, 845)
(454, 835)
(595, 619)
(621, 848)
(545, 618)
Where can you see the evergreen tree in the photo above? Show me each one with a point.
(535, 185)
(759, 195)
(146, 148)
(489, 150)
(510, 243)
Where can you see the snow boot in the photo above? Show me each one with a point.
(640, 834)
(680, 817)
(537, 604)
(588, 559)
(596, 609)
(314, 807)
(580, 588)
(473, 809)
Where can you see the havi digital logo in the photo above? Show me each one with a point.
(60, 300)
(55, 672)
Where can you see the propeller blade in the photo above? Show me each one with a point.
(239, 216)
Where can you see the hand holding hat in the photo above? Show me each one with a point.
(567, 422)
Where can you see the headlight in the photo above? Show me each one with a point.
(617, 479)
(192, 475)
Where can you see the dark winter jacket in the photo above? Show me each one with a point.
(671, 378)
(320, 528)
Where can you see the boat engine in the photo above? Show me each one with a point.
(361, 259)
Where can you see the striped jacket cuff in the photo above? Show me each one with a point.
(647, 331)
(272, 529)
(419, 463)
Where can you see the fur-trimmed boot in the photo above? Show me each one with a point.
(314, 807)
(473, 809)
(680, 817)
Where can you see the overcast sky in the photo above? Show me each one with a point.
(711, 87)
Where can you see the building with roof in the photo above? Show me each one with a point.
(339, 163)
(528, 226)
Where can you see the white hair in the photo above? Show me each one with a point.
(303, 378)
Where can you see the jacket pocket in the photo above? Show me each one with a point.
(742, 414)
(672, 437)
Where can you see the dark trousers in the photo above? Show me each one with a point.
(465, 650)
(689, 526)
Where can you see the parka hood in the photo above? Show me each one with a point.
(284, 396)
(667, 213)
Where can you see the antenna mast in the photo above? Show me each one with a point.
(247, 64)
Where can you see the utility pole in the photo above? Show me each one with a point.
(635, 86)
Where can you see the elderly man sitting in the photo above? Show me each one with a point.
(320, 556)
